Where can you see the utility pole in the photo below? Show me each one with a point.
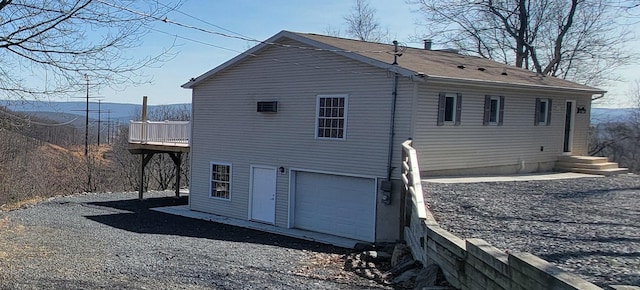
(108, 126)
(86, 121)
(99, 126)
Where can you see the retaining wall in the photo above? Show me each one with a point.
(476, 265)
(471, 264)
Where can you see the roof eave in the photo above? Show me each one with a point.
(474, 82)
(313, 43)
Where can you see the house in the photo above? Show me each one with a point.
(304, 130)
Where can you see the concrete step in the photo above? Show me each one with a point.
(583, 159)
(599, 166)
(605, 172)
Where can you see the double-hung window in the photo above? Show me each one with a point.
(543, 112)
(331, 117)
(220, 180)
(493, 110)
(449, 109)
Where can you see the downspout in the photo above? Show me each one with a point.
(386, 186)
(394, 95)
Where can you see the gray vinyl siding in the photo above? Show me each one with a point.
(473, 145)
(227, 128)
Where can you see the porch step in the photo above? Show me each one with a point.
(603, 165)
(589, 165)
(583, 159)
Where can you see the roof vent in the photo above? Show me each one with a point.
(482, 69)
(450, 50)
(461, 66)
(268, 107)
(504, 72)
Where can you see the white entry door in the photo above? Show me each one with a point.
(263, 194)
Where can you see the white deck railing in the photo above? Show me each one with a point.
(172, 133)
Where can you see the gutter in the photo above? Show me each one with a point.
(530, 87)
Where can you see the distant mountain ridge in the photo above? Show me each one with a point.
(603, 115)
(62, 111)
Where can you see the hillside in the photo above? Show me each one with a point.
(30, 168)
(40, 157)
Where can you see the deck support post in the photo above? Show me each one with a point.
(144, 159)
(177, 161)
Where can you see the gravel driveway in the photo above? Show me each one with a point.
(589, 226)
(113, 241)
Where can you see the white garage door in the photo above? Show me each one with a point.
(333, 204)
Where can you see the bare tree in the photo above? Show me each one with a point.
(579, 40)
(61, 41)
(633, 93)
(161, 167)
(160, 171)
(362, 23)
(619, 139)
(332, 31)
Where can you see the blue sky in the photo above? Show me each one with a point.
(260, 20)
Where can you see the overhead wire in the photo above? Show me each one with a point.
(203, 21)
(240, 37)
(194, 40)
(255, 55)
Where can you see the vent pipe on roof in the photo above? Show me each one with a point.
(427, 44)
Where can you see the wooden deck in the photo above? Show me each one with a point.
(147, 138)
(160, 135)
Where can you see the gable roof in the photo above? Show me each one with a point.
(418, 64)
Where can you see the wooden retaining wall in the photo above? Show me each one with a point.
(471, 264)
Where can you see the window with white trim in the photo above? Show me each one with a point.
(331, 117)
(220, 180)
(543, 112)
(493, 110)
(449, 109)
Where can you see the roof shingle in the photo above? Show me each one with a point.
(449, 65)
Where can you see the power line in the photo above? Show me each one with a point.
(196, 41)
(251, 54)
(203, 21)
(255, 55)
(167, 20)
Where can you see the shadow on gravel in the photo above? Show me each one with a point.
(141, 219)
